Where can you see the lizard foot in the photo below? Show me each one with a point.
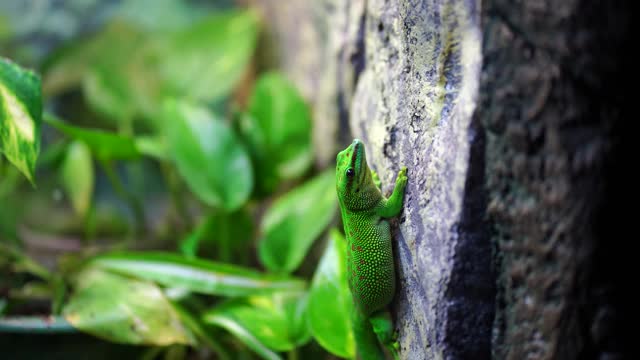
(401, 180)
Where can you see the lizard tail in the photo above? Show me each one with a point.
(367, 344)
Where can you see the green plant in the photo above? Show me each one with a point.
(158, 111)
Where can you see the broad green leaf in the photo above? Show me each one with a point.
(208, 155)
(223, 236)
(294, 221)
(68, 65)
(125, 310)
(206, 61)
(278, 130)
(117, 69)
(104, 145)
(126, 71)
(108, 91)
(107, 83)
(200, 276)
(330, 304)
(78, 176)
(124, 82)
(20, 116)
(277, 321)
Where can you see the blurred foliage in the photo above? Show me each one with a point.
(176, 207)
(123, 309)
(330, 300)
(20, 116)
(277, 130)
(301, 214)
(78, 176)
(196, 138)
(277, 321)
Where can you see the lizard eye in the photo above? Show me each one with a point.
(350, 172)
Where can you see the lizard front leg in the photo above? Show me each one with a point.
(391, 207)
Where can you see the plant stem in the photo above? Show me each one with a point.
(120, 189)
(176, 196)
(90, 225)
(225, 238)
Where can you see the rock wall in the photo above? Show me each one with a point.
(403, 76)
(509, 118)
(549, 104)
(413, 105)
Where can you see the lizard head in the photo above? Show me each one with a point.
(352, 172)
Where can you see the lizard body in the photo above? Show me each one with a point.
(370, 266)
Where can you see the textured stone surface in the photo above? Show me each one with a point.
(403, 76)
(533, 143)
(413, 106)
(547, 99)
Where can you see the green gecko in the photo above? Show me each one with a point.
(370, 266)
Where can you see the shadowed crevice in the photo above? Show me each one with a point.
(470, 294)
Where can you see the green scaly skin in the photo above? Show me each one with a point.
(369, 252)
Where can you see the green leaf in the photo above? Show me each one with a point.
(53, 154)
(78, 176)
(199, 330)
(126, 72)
(108, 78)
(208, 155)
(226, 320)
(68, 65)
(22, 263)
(278, 130)
(124, 310)
(190, 244)
(294, 221)
(330, 304)
(295, 311)
(206, 61)
(108, 91)
(277, 322)
(20, 116)
(200, 276)
(104, 145)
(153, 146)
(123, 81)
(117, 69)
